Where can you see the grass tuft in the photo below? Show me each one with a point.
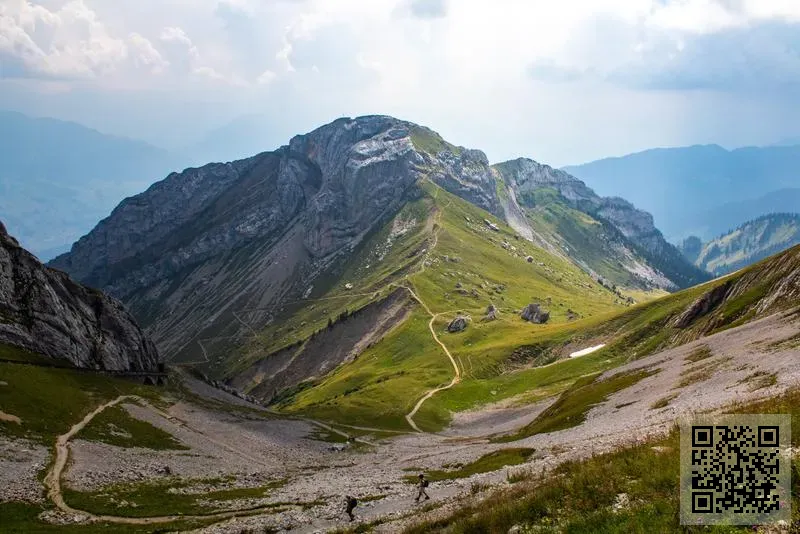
(485, 464)
(115, 426)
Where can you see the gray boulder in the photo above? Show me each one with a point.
(45, 311)
(458, 324)
(534, 314)
(491, 313)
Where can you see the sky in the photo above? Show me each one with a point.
(561, 82)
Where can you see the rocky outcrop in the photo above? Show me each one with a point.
(535, 314)
(459, 324)
(704, 305)
(45, 311)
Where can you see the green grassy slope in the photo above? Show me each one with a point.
(50, 400)
(590, 241)
(463, 267)
(501, 359)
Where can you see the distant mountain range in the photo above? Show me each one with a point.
(747, 244)
(58, 179)
(701, 190)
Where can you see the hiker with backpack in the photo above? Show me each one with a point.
(422, 485)
(351, 505)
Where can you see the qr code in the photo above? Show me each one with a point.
(735, 469)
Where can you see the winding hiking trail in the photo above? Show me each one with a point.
(457, 371)
(456, 377)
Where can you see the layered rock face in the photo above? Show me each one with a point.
(193, 249)
(46, 312)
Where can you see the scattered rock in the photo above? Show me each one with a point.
(458, 285)
(458, 324)
(474, 293)
(529, 259)
(534, 314)
(8, 418)
(348, 286)
(571, 315)
(491, 313)
(491, 225)
(621, 502)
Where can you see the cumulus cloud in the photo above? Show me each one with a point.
(145, 55)
(68, 42)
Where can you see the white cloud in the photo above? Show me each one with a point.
(266, 77)
(175, 34)
(145, 55)
(68, 42)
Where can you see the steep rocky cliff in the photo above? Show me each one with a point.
(46, 312)
(208, 257)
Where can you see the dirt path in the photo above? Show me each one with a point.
(52, 481)
(457, 371)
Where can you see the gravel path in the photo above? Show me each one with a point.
(20, 462)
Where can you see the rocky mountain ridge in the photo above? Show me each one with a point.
(46, 312)
(259, 233)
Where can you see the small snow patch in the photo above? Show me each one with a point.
(589, 350)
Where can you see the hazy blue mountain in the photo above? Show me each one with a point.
(238, 139)
(698, 190)
(745, 245)
(58, 179)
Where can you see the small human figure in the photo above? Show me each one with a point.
(351, 505)
(422, 485)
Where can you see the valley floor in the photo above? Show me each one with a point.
(293, 474)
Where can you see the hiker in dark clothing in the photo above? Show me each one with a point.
(422, 485)
(351, 505)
